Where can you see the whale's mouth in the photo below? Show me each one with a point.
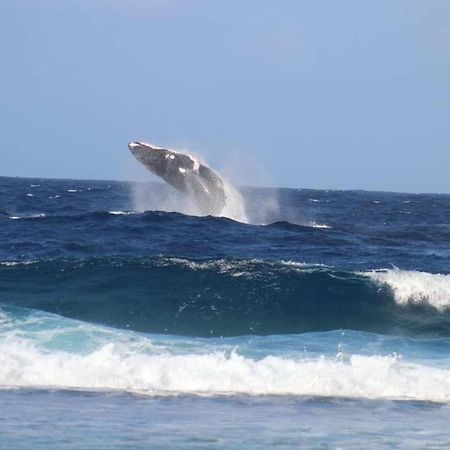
(141, 150)
(143, 145)
(133, 145)
(152, 157)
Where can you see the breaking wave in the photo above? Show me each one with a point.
(38, 350)
(230, 297)
(112, 368)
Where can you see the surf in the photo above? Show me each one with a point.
(39, 350)
(229, 297)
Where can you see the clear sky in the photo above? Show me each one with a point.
(317, 94)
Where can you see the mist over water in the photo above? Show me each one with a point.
(146, 198)
(151, 197)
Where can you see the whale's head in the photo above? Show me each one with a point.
(171, 166)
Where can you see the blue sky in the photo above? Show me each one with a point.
(319, 94)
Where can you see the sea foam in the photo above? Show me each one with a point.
(41, 350)
(415, 287)
(111, 367)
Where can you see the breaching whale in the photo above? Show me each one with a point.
(185, 173)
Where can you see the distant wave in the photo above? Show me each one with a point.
(121, 213)
(150, 215)
(229, 297)
(93, 215)
(32, 216)
(289, 226)
(435, 233)
(318, 225)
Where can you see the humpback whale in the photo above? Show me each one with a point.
(185, 173)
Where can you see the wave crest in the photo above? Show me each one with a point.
(113, 368)
(227, 297)
(416, 287)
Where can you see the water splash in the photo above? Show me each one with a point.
(234, 206)
(158, 197)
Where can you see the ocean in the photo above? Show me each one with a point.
(323, 322)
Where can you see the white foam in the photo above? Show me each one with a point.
(233, 268)
(30, 195)
(415, 287)
(72, 190)
(318, 225)
(302, 265)
(112, 367)
(4, 318)
(238, 268)
(17, 263)
(122, 213)
(33, 216)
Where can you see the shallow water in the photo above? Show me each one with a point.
(65, 419)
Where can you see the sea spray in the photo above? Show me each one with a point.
(160, 197)
(146, 198)
(413, 287)
(234, 205)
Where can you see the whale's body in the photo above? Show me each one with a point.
(185, 173)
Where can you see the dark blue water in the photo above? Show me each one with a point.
(323, 302)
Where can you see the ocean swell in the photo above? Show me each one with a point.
(228, 297)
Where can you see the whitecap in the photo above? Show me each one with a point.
(113, 367)
(415, 287)
(318, 225)
(121, 213)
(33, 216)
(16, 263)
(302, 264)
